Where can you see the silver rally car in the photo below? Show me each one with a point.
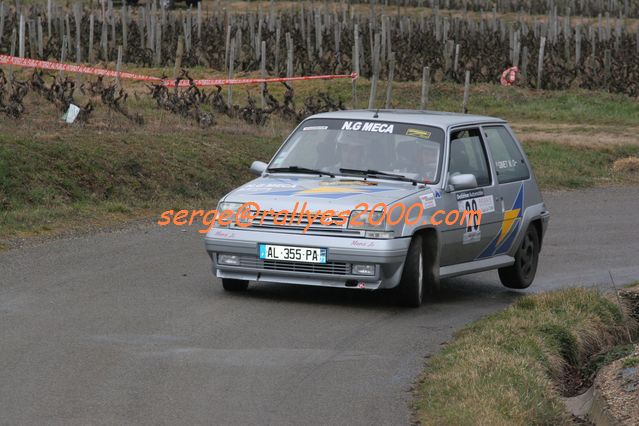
(405, 176)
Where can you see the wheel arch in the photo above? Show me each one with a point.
(431, 249)
(539, 229)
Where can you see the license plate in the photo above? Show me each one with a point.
(292, 253)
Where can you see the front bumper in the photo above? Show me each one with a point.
(387, 255)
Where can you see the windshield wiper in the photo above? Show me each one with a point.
(297, 169)
(386, 175)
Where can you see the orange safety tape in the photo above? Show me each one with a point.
(35, 63)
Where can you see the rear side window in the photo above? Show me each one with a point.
(467, 155)
(509, 161)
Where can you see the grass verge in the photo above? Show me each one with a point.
(508, 368)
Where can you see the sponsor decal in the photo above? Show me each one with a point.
(472, 237)
(360, 243)
(438, 194)
(348, 182)
(428, 199)
(368, 126)
(265, 186)
(422, 134)
(470, 194)
(486, 204)
(506, 164)
(315, 128)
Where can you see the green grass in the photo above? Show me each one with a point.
(47, 184)
(561, 166)
(507, 368)
(630, 362)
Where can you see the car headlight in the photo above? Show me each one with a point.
(226, 206)
(374, 224)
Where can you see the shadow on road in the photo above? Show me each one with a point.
(453, 291)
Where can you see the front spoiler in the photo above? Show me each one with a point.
(387, 255)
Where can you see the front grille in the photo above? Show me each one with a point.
(299, 224)
(332, 268)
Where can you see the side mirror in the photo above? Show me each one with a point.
(463, 181)
(258, 167)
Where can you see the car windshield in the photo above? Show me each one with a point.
(335, 145)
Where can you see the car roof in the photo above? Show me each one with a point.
(440, 119)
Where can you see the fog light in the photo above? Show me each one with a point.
(228, 259)
(379, 234)
(363, 269)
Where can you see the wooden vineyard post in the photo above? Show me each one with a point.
(103, 39)
(227, 43)
(229, 99)
(524, 63)
(32, 39)
(1, 21)
(607, 67)
(425, 88)
(21, 30)
(278, 36)
(540, 62)
(355, 61)
(263, 71)
(14, 36)
(466, 89)
(178, 56)
(199, 20)
(158, 43)
(77, 17)
(125, 26)
(577, 45)
(91, 35)
(389, 85)
(49, 11)
(289, 57)
(375, 66)
(63, 53)
(118, 69)
(40, 39)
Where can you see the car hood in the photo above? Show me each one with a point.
(339, 193)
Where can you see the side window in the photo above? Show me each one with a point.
(509, 162)
(467, 155)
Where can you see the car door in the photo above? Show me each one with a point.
(512, 173)
(465, 241)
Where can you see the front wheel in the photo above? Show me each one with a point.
(411, 286)
(522, 273)
(234, 285)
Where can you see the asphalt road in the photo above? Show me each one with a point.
(131, 327)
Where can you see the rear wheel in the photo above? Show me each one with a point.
(522, 273)
(411, 286)
(234, 285)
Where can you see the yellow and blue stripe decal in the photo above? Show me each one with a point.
(509, 228)
(332, 192)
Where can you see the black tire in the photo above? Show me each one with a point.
(411, 285)
(234, 285)
(522, 273)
